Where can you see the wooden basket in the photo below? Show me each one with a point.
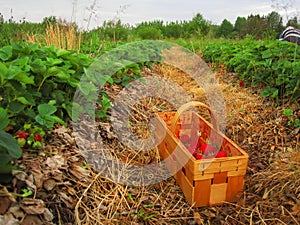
(204, 182)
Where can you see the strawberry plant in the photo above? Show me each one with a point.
(273, 65)
(9, 148)
(30, 136)
(291, 120)
(128, 74)
(37, 84)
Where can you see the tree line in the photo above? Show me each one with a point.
(259, 27)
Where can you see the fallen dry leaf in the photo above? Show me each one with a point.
(65, 133)
(47, 215)
(68, 200)
(20, 175)
(16, 211)
(5, 204)
(56, 162)
(49, 184)
(79, 172)
(4, 193)
(296, 209)
(30, 185)
(38, 177)
(33, 206)
(8, 219)
(32, 220)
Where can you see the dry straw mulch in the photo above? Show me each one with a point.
(69, 191)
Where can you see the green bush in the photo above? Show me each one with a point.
(149, 33)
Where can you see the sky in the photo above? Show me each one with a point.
(89, 14)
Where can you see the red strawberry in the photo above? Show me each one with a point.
(221, 154)
(203, 148)
(198, 156)
(207, 149)
(38, 137)
(241, 84)
(22, 134)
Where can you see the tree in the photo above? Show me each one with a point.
(240, 27)
(49, 20)
(198, 26)
(148, 32)
(173, 30)
(114, 30)
(226, 29)
(274, 21)
(293, 22)
(256, 26)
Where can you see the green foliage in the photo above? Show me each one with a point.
(225, 29)
(272, 64)
(33, 78)
(291, 120)
(9, 150)
(199, 26)
(128, 74)
(46, 117)
(240, 27)
(149, 33)
(121, 66)
(12, 32)
(36, 87)
(8, 145)
(115, 30)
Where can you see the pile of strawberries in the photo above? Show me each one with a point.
(28, 139)
(200, 149)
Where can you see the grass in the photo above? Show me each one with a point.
(61, 35)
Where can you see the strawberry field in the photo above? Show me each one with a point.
(45, 179)
(273, 66)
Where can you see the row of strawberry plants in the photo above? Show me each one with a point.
(274, 65)
(36, 89)
(39, 85)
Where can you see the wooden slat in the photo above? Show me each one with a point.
(220, 178)
(192, 177)
(172, 164)
(186, 187)
(235, 188)
(218, 165)
(202, 193)
(218, 193)
(241, 172)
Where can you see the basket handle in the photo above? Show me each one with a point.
(187, 106)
